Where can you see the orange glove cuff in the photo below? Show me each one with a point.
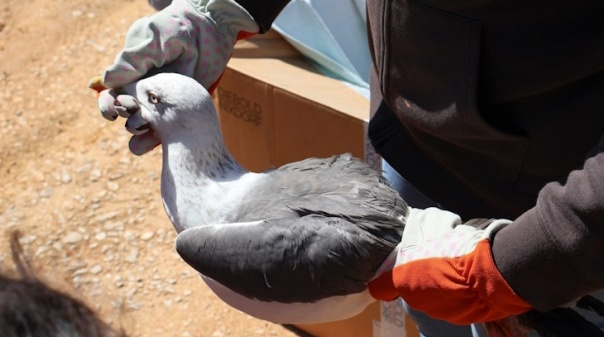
(242, 35)
(461, 290)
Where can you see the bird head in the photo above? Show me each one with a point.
(159, 106)
(170, 101)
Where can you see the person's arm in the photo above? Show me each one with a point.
(554, 253)
(549, 257)
(264, 12)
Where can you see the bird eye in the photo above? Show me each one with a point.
(153, 98)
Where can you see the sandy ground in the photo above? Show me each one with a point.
(90, 212)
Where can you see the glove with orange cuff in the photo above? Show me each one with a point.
(445, 269)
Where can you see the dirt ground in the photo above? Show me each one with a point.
(90, 212)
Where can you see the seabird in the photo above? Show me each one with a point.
(293, 245)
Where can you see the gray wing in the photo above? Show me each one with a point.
(292, 259)
(339, 186)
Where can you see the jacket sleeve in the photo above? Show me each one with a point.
(263, 11)
(554, 253)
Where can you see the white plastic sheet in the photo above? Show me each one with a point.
(333, 35)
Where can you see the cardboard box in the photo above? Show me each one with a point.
(275, 108)
(279, 109)
(270, 45)
(381, 319)
(362, 325)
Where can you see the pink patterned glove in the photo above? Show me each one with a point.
(190, 37)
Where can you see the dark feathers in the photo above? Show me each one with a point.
(326, 226)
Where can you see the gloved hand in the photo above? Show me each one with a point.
(112, 104)
(190, 37)
(445, 269)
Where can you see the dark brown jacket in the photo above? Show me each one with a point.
(487, 107)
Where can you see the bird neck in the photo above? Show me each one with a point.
(199, 175)
(200, 157)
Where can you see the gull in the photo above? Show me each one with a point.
(293, 245)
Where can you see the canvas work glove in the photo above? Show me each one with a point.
(190, 37)
(445, 269)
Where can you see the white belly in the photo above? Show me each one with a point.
(326, 310)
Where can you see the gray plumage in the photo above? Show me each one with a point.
(328, 224)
